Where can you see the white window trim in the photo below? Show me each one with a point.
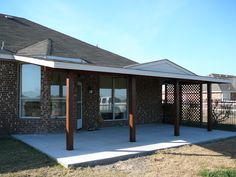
(56, 98)
(20, 91)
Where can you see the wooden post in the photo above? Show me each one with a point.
(69, 112)
(201, 105)
(209, 108)
(166, 94)
(177, 108)
(132, 109)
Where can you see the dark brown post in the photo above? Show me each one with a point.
(166, 93)
(177, 108)
(209, 108)
(132, 109)
(69, 112)
(201, 105)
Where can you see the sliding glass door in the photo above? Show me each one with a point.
(113, 98)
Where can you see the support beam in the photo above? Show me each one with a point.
(209, 108)
(201, 105)
(69, 112)
(166, 101)
(132, 109)
(177, 108)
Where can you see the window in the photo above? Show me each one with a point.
(113, 98)
(120, 98)
(233, 96)
(106, 107)
(58, 95)
(30, 81)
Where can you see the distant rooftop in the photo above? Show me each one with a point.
(223, 87)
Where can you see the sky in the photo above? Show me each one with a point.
(199, 35)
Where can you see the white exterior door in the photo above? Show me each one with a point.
(79, 106)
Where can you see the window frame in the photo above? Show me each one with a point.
(57, 98)
(20, 92)
(113, 99)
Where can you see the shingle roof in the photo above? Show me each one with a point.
(28, 38)
(4, 51)
(41, 48)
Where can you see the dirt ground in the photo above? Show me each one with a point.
(185, 161)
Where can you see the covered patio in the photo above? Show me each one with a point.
(111, 144)
(183, 93)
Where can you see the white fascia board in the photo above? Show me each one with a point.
(36, 61)
(86, 67)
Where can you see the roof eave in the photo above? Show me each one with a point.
(6, 56)
(126, 71)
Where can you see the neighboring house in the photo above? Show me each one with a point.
(51, 82)
(222, 91)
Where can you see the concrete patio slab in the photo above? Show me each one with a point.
(112, 144)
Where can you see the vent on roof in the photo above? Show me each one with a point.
(2, 46)
(9, 17)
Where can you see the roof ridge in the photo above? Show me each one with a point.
(180, 66)
(162, 60)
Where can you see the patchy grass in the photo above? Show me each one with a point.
(15, 156)
(219, 173)
(212, 159)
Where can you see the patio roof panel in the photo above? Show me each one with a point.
(126, 71)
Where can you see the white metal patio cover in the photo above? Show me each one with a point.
(159, 69)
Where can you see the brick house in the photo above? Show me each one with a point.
(51, 82)
(222, 91)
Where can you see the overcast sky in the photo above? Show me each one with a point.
(199, 35)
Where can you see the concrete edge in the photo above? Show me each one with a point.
(120, 158)
(138, 154)
(111, 160)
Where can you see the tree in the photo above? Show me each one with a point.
(221, 111)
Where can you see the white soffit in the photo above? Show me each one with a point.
(127, 71)
(165, 66)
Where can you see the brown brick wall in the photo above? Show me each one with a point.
(8, 96)
(149, 107)
(90, 105)
(44, 124)
(148, 102)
